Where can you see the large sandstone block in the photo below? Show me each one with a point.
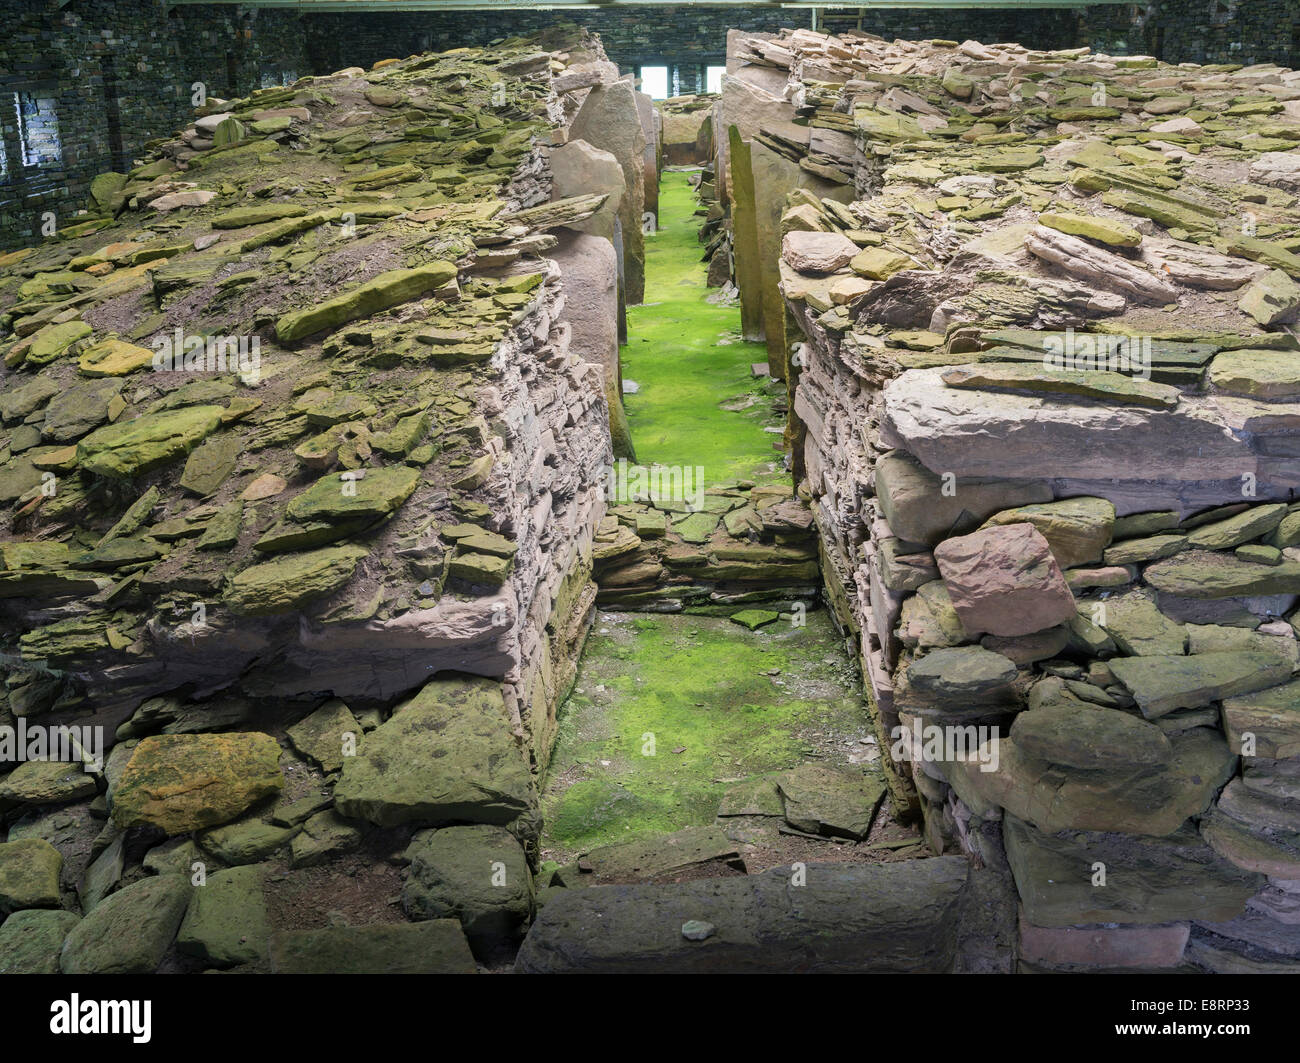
(1098, 946)
(1146, 799)
(1271, 717)
(447, 755)
(814, 252)
(959, 681)
(1091, 738)
(29, 875)
(227, 922)
(992, 434)
(129, 932)
(388, 289)
(31, 940)
(922, 507)
(1162, 684)
(1077, 530)
(1004, 581)
(435, 947)
(477, 874)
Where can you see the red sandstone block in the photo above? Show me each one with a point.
(1121, 946)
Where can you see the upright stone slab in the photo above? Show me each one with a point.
(774, 177)
(649, 118)
(744, 231)
(589, 272)
(608, 119)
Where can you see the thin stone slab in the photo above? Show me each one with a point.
(1162, 684)
(884, 918)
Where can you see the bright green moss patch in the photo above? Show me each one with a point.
(697, 404)
(668, 711)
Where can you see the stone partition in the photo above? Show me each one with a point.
(1048, 395)
(777, 152)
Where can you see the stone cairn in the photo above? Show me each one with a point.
(1037, 309)
(304, 449)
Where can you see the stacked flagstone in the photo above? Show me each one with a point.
(743, 545)
(334, 584)
(1046, 408)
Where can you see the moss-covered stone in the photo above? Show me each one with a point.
(210, 464)
(288, 583)
(1162, 684)
(476, 874)
(434, 947)
(1103, 230)
(1149, 880)
(53, 341)
(46, 782)
(878, 263)
(129, 932)
(1272, 375)
(29, 875)
(323, 735)
(256, 215)
(1098, 385)
(227, 922)
(354, 497)
(1202, 574)
(121, 451)
(1099, 739)
(114, 357)
(180, 783)
(446, 755)
(31, 940)
(387, 290)
(1077, 530)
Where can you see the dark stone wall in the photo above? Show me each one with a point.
(97, 79)
(1201, 31)
(694, 34)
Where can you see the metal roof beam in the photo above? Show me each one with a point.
(505, 6)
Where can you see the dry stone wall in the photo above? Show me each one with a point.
(1046, 408)
(304, 456)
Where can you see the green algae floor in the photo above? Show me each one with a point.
(698, 405)
(668, 711)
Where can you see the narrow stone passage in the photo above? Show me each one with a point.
(679, 728)
(695, 403)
